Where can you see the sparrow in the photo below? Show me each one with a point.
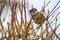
(37, 16)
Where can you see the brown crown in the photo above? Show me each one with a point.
(33, 9)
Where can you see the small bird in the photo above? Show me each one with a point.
(37, 16)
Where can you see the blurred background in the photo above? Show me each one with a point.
(16, 22)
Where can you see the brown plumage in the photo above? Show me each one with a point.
(37, 16)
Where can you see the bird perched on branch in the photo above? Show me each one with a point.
(37, 16)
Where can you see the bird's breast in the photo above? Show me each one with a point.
(38, 18)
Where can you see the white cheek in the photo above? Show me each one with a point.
(33, 13)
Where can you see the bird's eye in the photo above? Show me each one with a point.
(33, 12)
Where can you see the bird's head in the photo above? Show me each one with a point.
(32, 11)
